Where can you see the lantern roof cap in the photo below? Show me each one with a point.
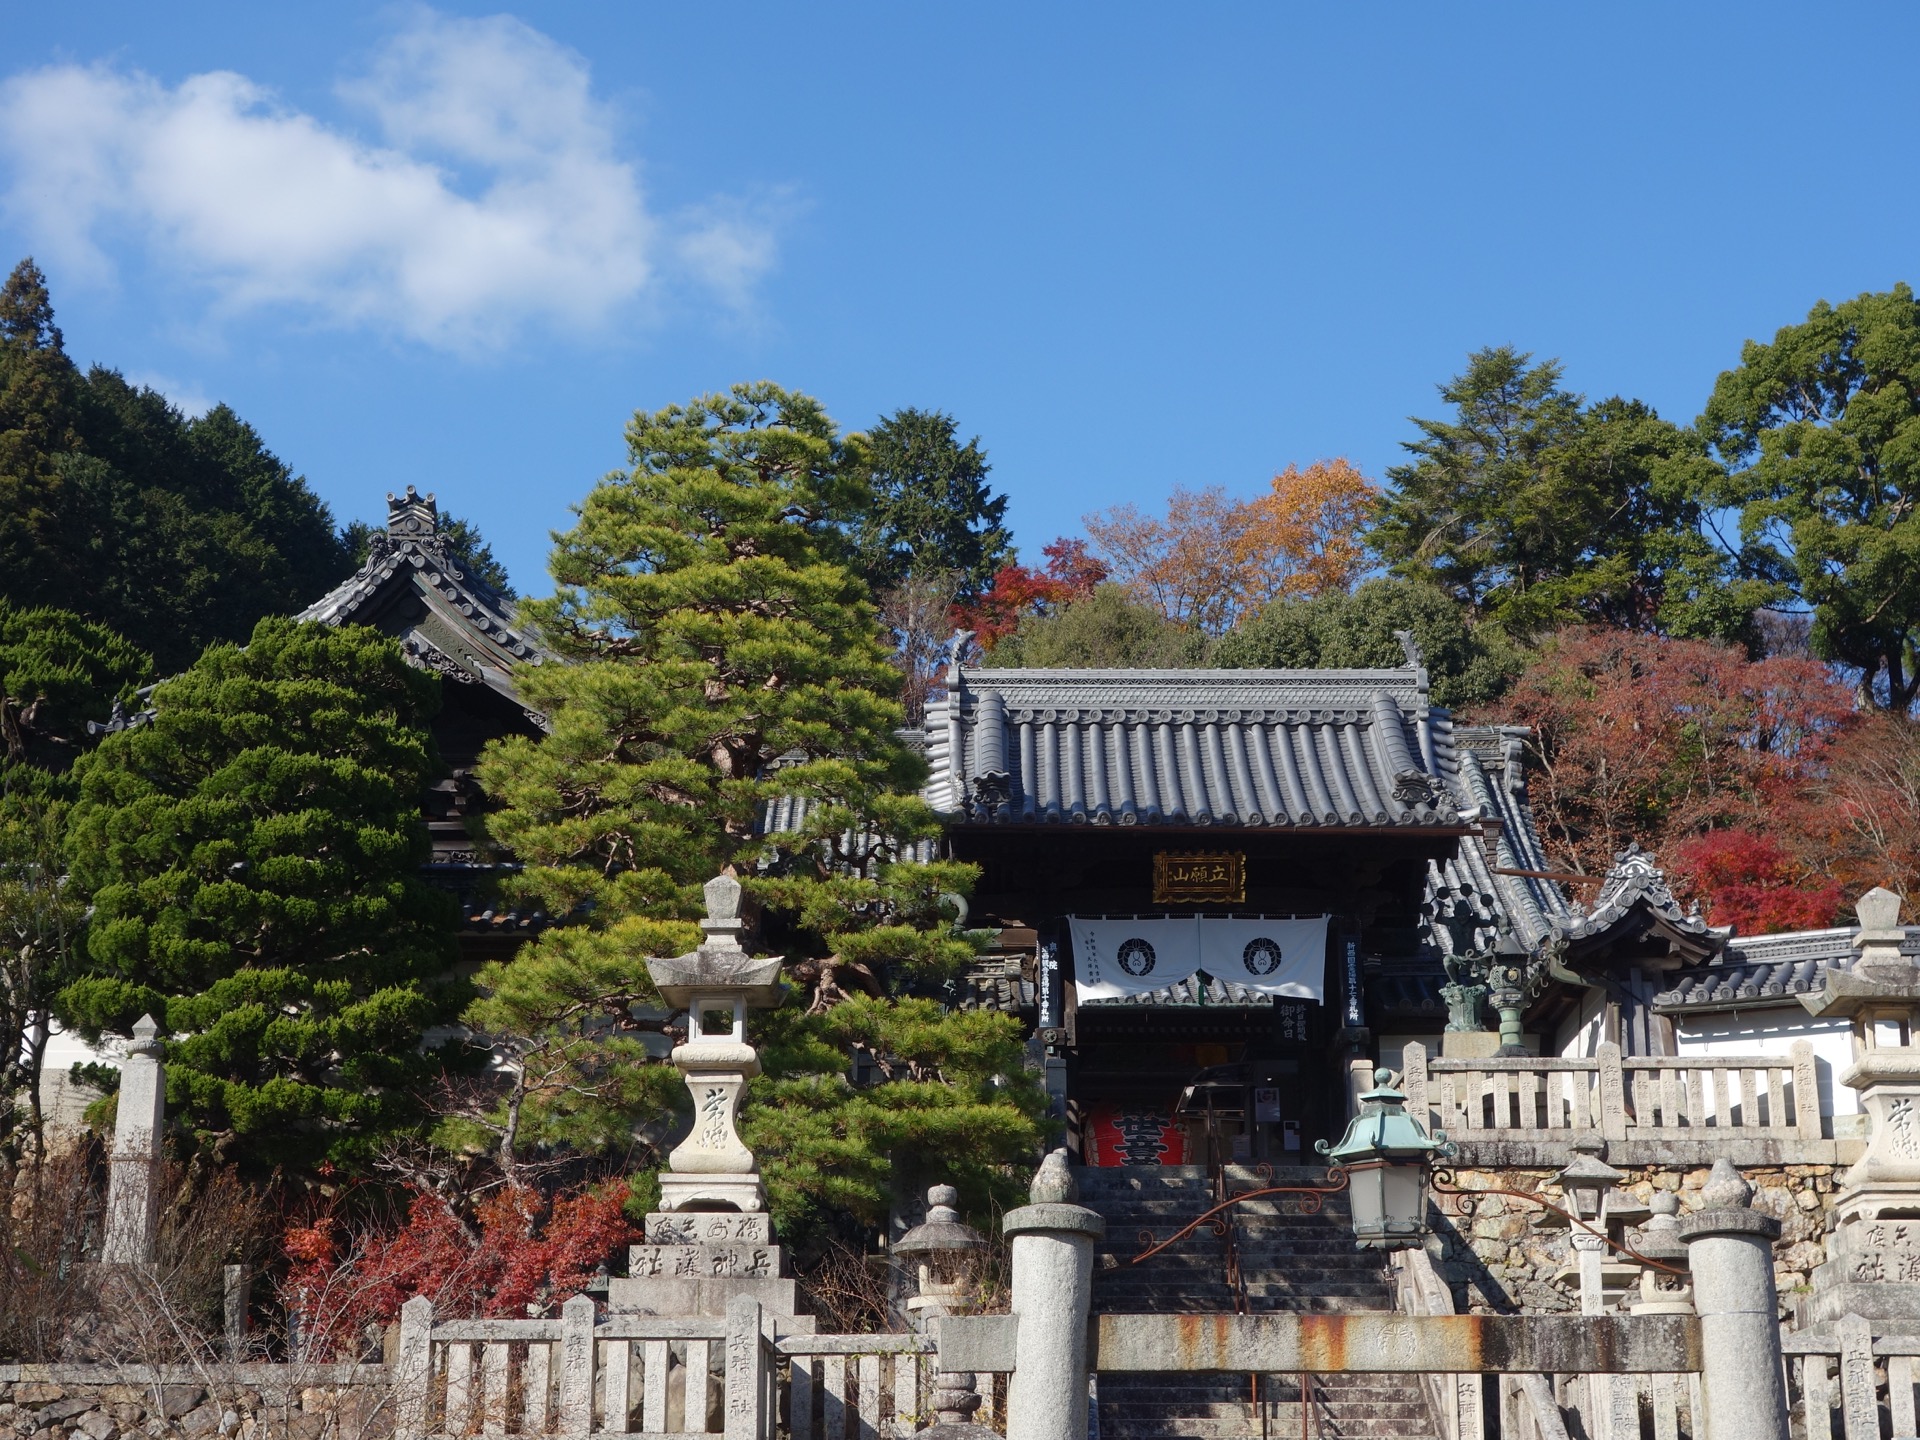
(1384, 1130)
(942, 1230)
(1589, 1170)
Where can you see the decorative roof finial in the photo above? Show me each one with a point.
(413, 514)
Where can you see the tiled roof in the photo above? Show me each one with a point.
(1487, 775)
(1767, 970)
(1296, 748)
(1182, 992)
(450, 621)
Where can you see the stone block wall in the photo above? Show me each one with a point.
(1509, 1255)
(227, 1402)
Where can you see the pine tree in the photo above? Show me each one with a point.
(252, 857)
(733, 704)
(38, 384)
(1534, 509)
(57, 674)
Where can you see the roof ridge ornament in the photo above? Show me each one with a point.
(412, 516)
(1634, 878)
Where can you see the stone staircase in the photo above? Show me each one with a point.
(1288, 1262)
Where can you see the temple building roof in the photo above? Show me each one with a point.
(1318, 749)
(1488, 777)
(445, 618)
(1765, 970)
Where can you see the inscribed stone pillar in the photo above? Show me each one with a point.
(133, 1184)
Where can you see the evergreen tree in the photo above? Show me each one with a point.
(1535, 510)
(37, 391)
(173, 532)
(252, 857)
(1104, 629)
(731, 670)
(929, 510)
(1468, 665)
(1821, 432)
(57, 673)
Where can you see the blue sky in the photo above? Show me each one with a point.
(1129, 246)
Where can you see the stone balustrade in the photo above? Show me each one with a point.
(1756, 1110)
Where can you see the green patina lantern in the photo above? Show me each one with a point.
(1386, 1153)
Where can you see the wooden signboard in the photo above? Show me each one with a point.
(1200, 877)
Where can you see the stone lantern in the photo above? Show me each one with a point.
(1587, 1184)
(1873, 1252)
(946, 1253)
(1663, 1293)
(716, 985)
(1385, 1154)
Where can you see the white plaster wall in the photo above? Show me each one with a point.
(1580, 1036)
(1771, 1033)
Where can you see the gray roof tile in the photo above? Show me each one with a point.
(1767, 969)
(1308, 748)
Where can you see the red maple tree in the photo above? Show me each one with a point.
(516, 1256)
(1723, 765)
(1017, 591)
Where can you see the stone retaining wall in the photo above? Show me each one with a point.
(221, 1402)
(1508, 1253)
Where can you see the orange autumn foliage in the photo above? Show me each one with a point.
(1212, 560)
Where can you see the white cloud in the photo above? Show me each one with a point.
(496, 196)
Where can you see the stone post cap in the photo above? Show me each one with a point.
(1707, 1223)
(1726, 1188)
(1879, 912)
(1725, 1210)
(1053, 1182)
(1053, 1192)
(1051, 1219)
(146, 1037)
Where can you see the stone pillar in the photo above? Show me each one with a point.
(1730, 1253)
(133, 1187)
(1052, 1295)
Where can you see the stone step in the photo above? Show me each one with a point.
(1289, 1263)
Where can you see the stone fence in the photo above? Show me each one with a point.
(1650, 1109)
(196, 1402)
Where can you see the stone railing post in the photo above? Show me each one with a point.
(746, 1361)
(1730, 1254)
(1052, 1295)
(1414, 1081)
(413, 1370)
(1806, 1092)
(574, 1412)
(1613, 1092)
(132, 1187)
